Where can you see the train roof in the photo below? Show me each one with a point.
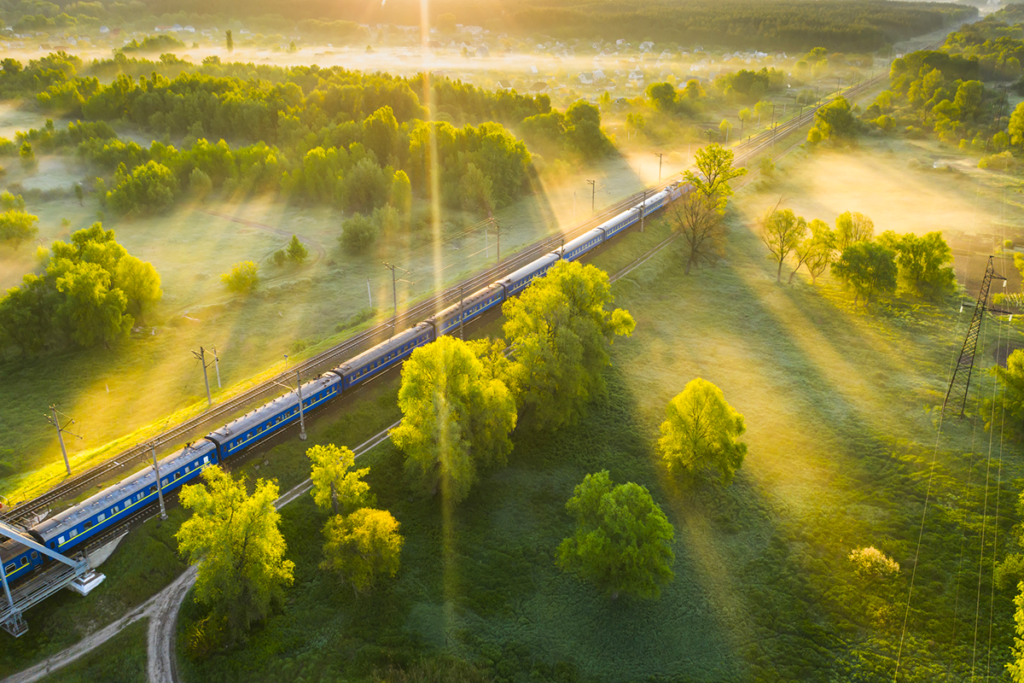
(550, 257)
(467, 301)
(128, 486)
(383, 348)
(11, 548)
(258, 416)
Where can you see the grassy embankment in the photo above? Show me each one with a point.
(838, 401)
(122, 659)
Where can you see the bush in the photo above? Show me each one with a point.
(296, 250)
(359, 233)
(199, 183)
(280, 257)
(17, 227)
(1008, 244)
(244, 278)
(1003, 161)
(871, 563)
(147, 189)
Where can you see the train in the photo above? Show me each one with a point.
(69, 529)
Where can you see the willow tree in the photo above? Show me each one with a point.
(234, 539)
(362, 547)
(456, 417)
(336, 484)
(560, 329)
(702, 431)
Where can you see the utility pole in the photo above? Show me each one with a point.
(659, 155)
(593, 193)
(462, 310)
(54, 419)
(839, 85)
(159, 485)
(643, 206)
(369, 296)
(202, 359)
(497, 228)
(302, 417)
(216, 364)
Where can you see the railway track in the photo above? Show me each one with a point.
(25, 512)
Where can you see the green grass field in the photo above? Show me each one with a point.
(122, 659)
(839, 404)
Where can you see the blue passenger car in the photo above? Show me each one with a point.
(17, 560)
(473, 305)
(65, 530)
(272, 417)
(371, 363)
(518, 281)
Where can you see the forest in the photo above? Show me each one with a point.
(860, 25)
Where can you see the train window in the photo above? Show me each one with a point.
(72, 533)
(102, 517)
(177, 476)
(114, 509)
(86, 526)
(206, 458)
(9, 568)
(24, 561)
(59, 540)
(35, 555)
(152, 489)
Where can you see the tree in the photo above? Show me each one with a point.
(816, 250)
(17, 227)
(1016, 126)
(380, 133)
(362, 546)
(280, 257)
(27, 155)
(475, 189)
(244, 278)
(234, 539)
(701, 430)
(199, 183)
(140, 283)
(366, 186)
(79, 193)
(922, 263)
(623, 540)
(559, 330)
(93, 308)
(1016, 665)
(401, 192)
(852, 227)
(296, 250)
(836, 120)
(455, 419)
(714, 171)
(1008, 412)
(229, 42)
(781, 231)
(335, 484)
(149, 188)
(867, 267)
(358, 233)
(662, 96)
(725, 126)
(696, 217)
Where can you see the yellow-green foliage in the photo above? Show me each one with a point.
(335, 484)
(701, 430)
(363, 546)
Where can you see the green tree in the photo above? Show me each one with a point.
(867, 267)
(366, 186)
(724, 127)
(380, 133)
(559, 330)
(701, 430)
(335, 484)
(12, 202)
(149, 188)
(781, 231)
(280, 257)
(140, 283)
(199, 183)
(235, 541)
(714, 173)
(244, 278)
(1008, 413)
(815, 251)
(475, 190)
(401, 192)
(359, 233)
(836, 120)
(1016, 126)
(662, 96)
(17, 227)
(79, 193)
(623, 540)
(362, 547)
(296, 250)
(93, 308)
(27, 155)
(455, 419)
(1016, 664)
(923, 262)
(696, 217)
(852, 227)
(229, 42)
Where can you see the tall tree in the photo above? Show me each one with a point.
(836, 120)
(229, 42)
(816, 250)
(922, 262)
(867, 267)
(1015, 666)
(852, 227)
(94, 309)
(559, 329)
(17, 227)
(781, 231)
(1016, 126)
(296, 250)
(697, 219)
(623, 540)
(234, 539)
(362, 547)
(335, 483)
(380, 133)
(140, 283)
(714, 173)
(455, 419)
(701, 430)
(243, 278)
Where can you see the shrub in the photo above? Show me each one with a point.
(147, 189)
(871, 563)
(1003, 161)
(199, 183)
(359, 233)
(280, 257)
(244, 278)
